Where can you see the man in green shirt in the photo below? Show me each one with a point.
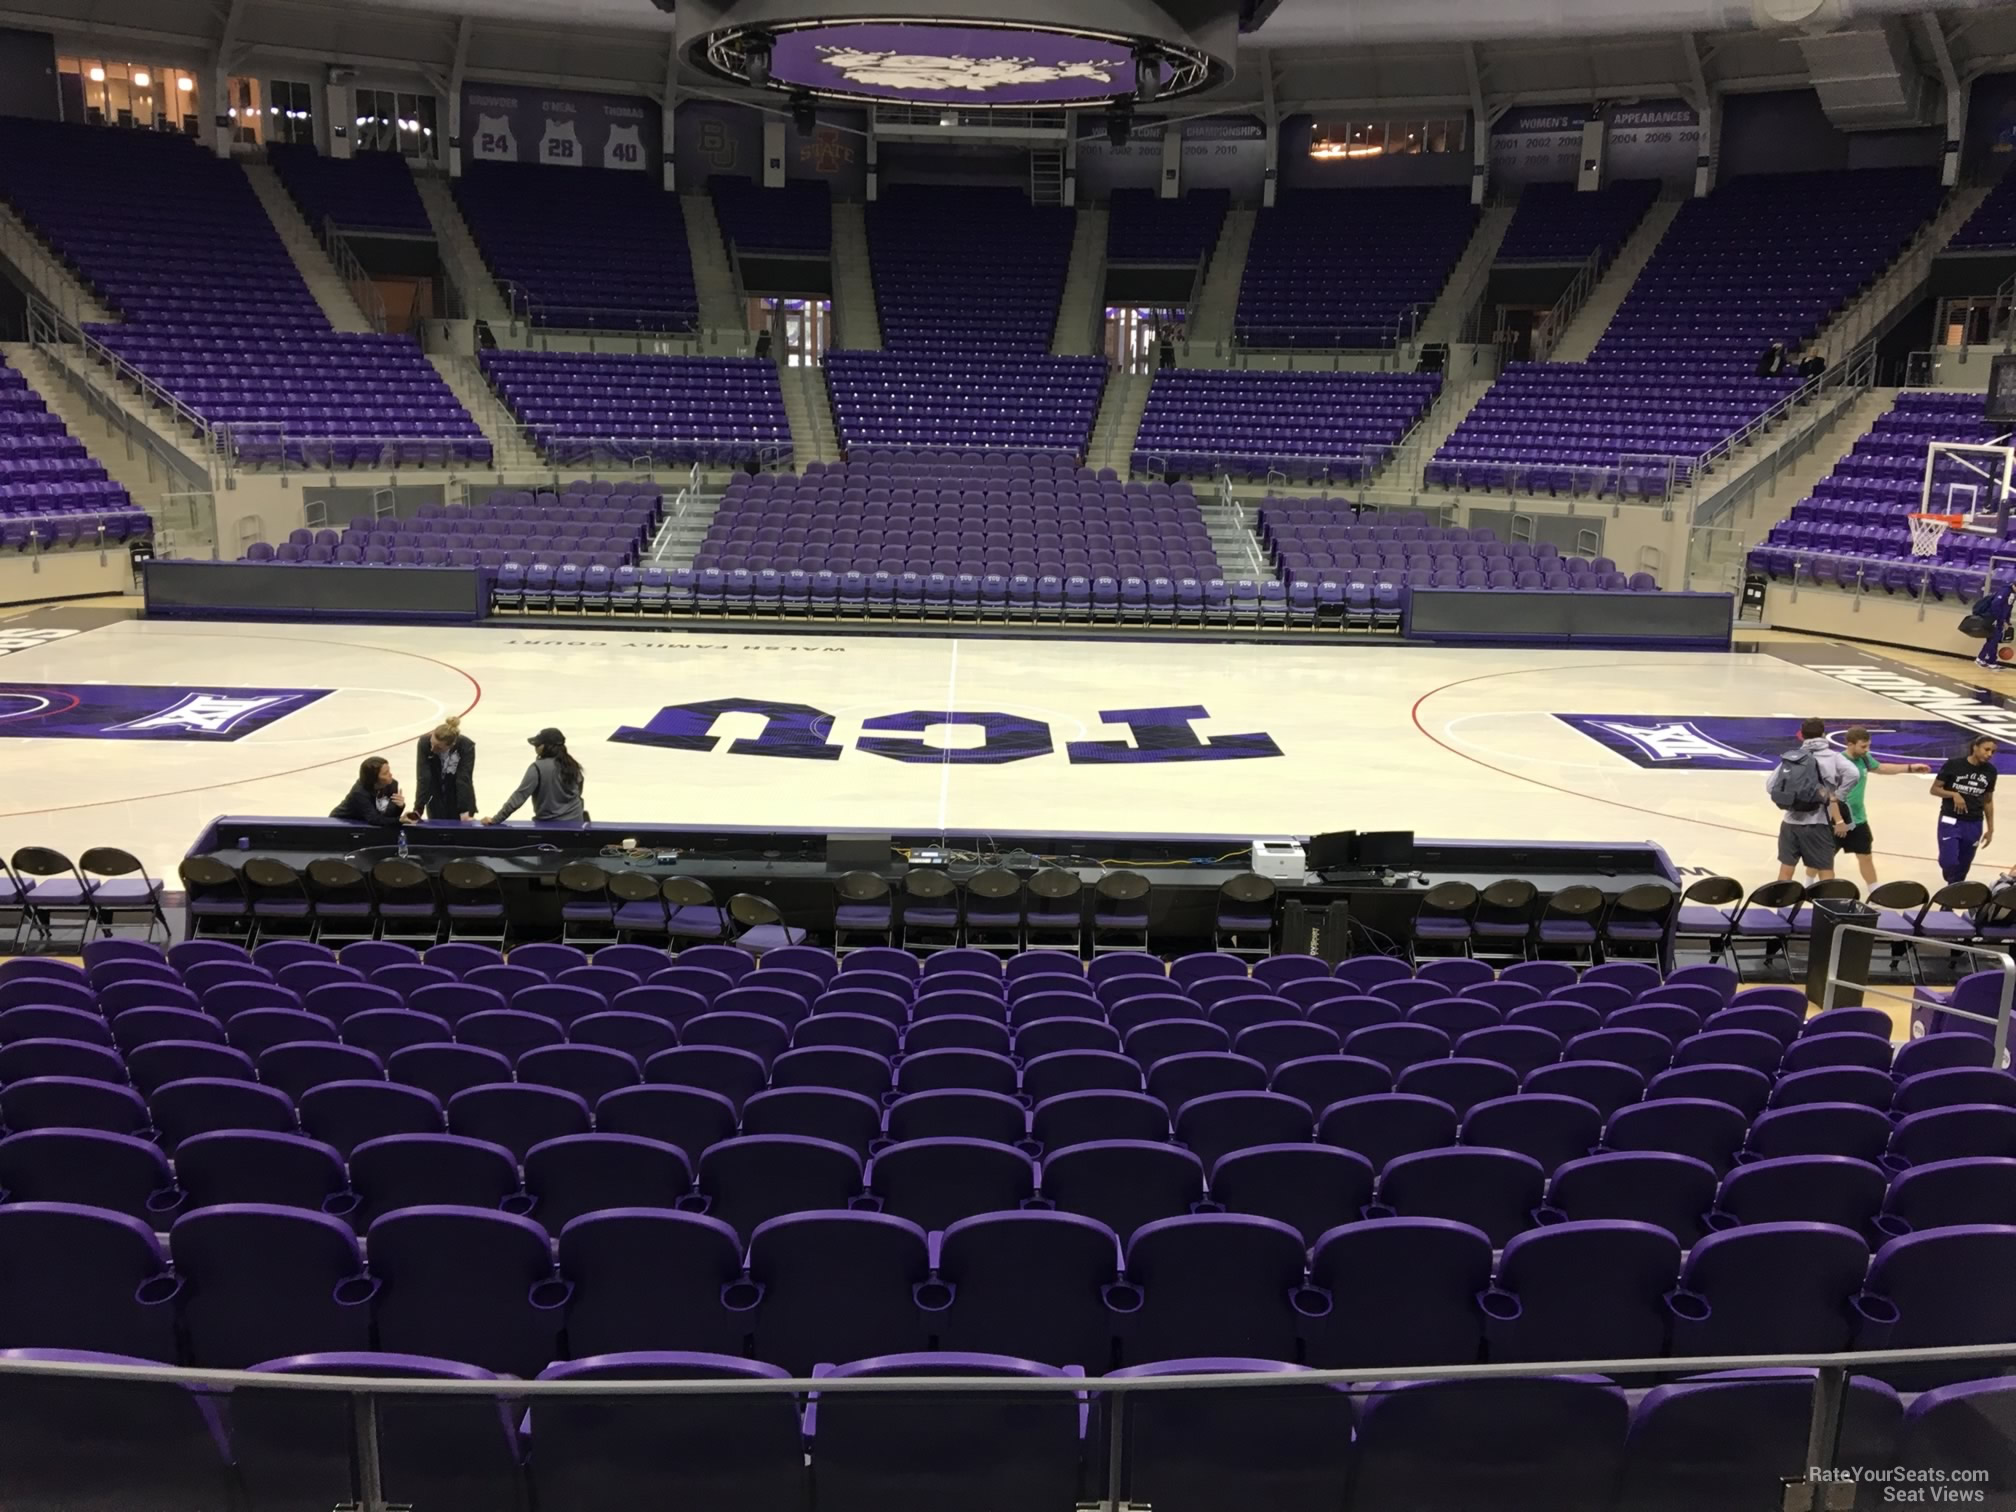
(1857, 842)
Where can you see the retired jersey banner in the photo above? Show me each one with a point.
(561, 128)
(1728, 743)
(115, 711)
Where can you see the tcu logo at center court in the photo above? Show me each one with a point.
(799, 732)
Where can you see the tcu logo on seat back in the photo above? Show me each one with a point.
(800, 732)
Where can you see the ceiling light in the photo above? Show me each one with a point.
(756, 59)
(97, 74)
(185, 84)
(1147, 75)
(142, 78)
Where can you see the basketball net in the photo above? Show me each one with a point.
(1926, 529)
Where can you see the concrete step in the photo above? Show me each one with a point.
(338, 303)
(808, 406)
(1899, 286)
(460, 255)
(1751, 521)
(1118, 421)
(181, 506)
(510, 449)
(1218, 302)
(857, 325)
(721, 306)
(1418, 448)
(1586, 326)
(1241, 558)
(1078, 311)
(1445, 318)
(58, 286)
(680, 534)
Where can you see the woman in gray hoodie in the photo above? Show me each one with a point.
(554, 782)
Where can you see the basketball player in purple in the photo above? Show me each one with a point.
(1965, 788)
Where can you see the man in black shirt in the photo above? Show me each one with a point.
(1965, 788)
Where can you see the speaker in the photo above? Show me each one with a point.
(1324, 933)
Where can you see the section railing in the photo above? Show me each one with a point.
(1908, 580)
(1851, 376)
(1888, 296)
(350, 268)
(58, 287)
(1108, 1448)
(261, 449)
(1567, 307)
(178, 431)
(1286, 470)
(1992, 960)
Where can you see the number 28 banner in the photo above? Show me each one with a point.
(507, 123)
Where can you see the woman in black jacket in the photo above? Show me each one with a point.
(446, 762)
(375, 800)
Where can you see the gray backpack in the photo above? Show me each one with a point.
(1799, 786)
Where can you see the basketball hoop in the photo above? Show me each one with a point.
(1926, 529)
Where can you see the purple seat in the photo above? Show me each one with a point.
(467, 1284)
(1769, 1288)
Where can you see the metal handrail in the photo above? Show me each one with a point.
(350, 268)
(1856, 371)
(64, 290)
(1885, 297)
(2001, 960)
(1569, 305)
(1363, 1376)
(51, 333)
(1218, 464)
(619, 454)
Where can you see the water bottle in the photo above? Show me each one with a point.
(402, 843)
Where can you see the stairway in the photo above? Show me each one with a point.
(1897, 287)
(857, 327)
(1766, 507)
(1452, 406)
(509, 447)
(473, 280)
(1119, 421)
(1586, 326)
(56, 284)
(1080, 310)
(1241, 558)
(683, 528)
(1446, 317)
(88, 425)
(328, 287)
(1211, 322)
(809, 409)
(721, 306)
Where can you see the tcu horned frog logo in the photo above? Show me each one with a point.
(922, 71)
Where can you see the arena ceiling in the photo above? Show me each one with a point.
(1324, 54)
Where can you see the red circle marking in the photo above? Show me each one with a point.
(48, 708)
(1734, 829)
(64, 808)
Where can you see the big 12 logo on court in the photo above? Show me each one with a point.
(801, 732)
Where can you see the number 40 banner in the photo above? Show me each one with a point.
(559, 128)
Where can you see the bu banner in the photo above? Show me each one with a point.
(1727, 743)
(114, 711)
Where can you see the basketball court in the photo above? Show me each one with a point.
(135, 733)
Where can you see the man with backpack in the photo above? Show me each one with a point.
(1807, 785)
